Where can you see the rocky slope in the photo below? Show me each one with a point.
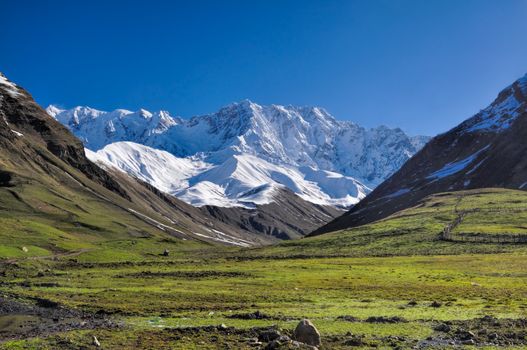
(487, 150)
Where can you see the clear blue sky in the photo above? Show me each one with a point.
(423, 65)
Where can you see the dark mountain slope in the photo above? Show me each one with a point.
(26, 131)
(47, 182)
(287, 217)
(487, 150)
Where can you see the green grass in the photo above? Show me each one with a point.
(374, 270)
(417, 231)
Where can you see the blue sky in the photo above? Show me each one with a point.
(421, 65)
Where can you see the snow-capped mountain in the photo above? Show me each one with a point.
(241, 180)
(487, 150)
(245, 148)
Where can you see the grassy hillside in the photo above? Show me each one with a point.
(430, 292)
(476, 221)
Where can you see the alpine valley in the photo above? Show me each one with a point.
(247, 156)
(138, 230)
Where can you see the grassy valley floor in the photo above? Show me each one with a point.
(433, 291)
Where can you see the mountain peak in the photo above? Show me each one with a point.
(297, 136)
(53, 110)
(510, 103)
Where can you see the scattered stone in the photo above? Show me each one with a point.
(95, 342)
(348, 318)
(442, 327)
(277, 343)
(436, 304)
(253, 342)
(269, 335)
(382, 319)
(412, 303)
(490, 320)
(307, 333)
(257, 315)
(465, 335)
(493, 336)
(166, 252)
(25, 250)
(222, 326)
(354, 341)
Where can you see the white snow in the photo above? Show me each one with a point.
(500, 114)
(475, 167)
(241, 180)
(10, 87)
(244, 153)
(455, 167)
(19, 134)
(221, 237)
(214, 234)
(398, 193)
(296, 136)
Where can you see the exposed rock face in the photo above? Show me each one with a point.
(487, 150)
(287, 217)
(307, 333)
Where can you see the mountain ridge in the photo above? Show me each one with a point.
(286, 134)
(300, 147)
(486, 150)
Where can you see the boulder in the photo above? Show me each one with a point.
(307, 333)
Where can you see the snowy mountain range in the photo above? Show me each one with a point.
(240, 155)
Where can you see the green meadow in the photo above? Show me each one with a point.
(388, 285)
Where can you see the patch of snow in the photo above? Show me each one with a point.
(19, 134)
(523, 185)
(158, 224)
(223, 238)
(475, 167)
(398, 193)
(455, 167)
(11, 88)
(502, 113)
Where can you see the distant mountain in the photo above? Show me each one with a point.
(54, 198)
(239, 155)
(487, 150)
